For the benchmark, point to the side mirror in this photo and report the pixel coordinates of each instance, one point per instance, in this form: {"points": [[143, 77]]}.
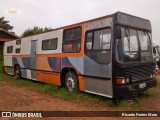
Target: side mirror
{"points": [[154, 50], [117, 32]]}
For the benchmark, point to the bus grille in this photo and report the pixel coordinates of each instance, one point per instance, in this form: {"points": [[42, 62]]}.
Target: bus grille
{"points": [[138, 74]]}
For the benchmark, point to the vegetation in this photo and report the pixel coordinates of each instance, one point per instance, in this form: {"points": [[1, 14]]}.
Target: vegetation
{"points": [[35, 30], [91, 99], [1, 57], [5, 24]]}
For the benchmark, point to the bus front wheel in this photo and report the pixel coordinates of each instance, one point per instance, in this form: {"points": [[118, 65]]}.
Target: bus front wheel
{"points": [[71, 82]]}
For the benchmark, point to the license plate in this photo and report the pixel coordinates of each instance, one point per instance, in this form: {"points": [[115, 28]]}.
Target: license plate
{"points": [[143, 85]]}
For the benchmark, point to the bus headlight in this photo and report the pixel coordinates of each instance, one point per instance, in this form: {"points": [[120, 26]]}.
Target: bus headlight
{"points": [[122, 80], [127, 80]]}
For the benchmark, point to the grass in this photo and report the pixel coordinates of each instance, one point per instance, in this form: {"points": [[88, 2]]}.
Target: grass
{"points": [[153, 91], [61, 92], [3, 76]]}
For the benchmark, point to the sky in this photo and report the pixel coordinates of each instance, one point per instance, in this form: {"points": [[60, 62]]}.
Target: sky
{"points": [[24, 14]]}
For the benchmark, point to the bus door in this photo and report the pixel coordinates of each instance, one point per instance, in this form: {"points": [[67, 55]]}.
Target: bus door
{"points": [[97, 62], [33, 59]]}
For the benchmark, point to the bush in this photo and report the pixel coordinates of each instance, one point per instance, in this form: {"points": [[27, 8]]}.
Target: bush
{"points": [[1, 57]]}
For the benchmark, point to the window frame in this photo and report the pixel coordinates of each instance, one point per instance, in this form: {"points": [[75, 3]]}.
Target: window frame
{"points": [[56, 39], [94, 50], [18, 42], [148, 33], [129, 38], [9, 52], [92, 31], [71, 41], [18, 49]]}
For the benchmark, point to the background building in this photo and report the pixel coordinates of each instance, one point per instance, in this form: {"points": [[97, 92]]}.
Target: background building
{"points": [[4, 37]]}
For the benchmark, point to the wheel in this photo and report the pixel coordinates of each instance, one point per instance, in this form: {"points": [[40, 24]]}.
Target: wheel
{"points": [[71, 82], [17, 72]]}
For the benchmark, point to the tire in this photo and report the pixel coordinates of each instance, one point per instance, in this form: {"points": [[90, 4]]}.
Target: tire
{"points": [[71, 82], [17, 72]]}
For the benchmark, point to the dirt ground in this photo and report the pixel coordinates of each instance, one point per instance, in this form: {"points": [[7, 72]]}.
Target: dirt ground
{"points": [[13, 98]]}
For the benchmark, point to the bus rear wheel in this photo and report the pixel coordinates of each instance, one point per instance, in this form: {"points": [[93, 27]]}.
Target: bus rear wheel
{"points": [[17, 72], [71, 82]]}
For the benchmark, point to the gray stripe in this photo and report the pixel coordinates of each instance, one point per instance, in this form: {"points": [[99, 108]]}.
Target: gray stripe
{"points": [[20, 62], [78, 63]]}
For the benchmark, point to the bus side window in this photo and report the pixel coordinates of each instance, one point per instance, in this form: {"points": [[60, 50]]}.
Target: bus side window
{"points": [[89, 41], [9, 49], [97, 45], [49, 44], [71, 39], [17, 50], [18, 42]]}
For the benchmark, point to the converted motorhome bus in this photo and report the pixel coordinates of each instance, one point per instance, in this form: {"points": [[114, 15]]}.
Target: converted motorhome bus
{"points": [[109, 56]]}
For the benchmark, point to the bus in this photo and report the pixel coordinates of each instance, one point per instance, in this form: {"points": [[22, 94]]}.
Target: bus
{"points": [[110, 56]]}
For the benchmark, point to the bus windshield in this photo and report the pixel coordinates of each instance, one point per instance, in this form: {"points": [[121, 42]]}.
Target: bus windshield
{"points": [[134, 46]]}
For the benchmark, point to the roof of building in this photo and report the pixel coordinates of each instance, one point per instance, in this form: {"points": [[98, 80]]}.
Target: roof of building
{"points": [[12, 36]]}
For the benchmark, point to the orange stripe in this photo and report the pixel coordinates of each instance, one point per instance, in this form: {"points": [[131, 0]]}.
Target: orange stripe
{"points": [[6, 69], [42, 64], [60, 55], [48, 77], [73, 26], [81, 83], [21, 56]]}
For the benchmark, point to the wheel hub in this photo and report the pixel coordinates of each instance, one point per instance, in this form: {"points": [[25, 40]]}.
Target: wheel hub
{"points": [[70, 84]]}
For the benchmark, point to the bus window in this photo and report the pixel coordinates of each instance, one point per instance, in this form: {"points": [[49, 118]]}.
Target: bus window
{"points": [[98, 45], [105, 40], [71, 39], [9, 49], [131, 51], [130, 47], [50, 44], [17, 50], [18, 42], [101, 40], [146, 55], [89, 41]]}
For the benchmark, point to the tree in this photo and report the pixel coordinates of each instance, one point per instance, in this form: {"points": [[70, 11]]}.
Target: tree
{"points": [[35, 30], [4, 24]]}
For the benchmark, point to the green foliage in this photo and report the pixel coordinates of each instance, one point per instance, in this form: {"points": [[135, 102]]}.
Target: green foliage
{"points": [[2, 74], [63, 93], [48, 88], [1, 57], [35, 30], [5, 24], [1, 67]]}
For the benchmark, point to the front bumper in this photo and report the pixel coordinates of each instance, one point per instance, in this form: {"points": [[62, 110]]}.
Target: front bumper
{"points": [[131, 91]]}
